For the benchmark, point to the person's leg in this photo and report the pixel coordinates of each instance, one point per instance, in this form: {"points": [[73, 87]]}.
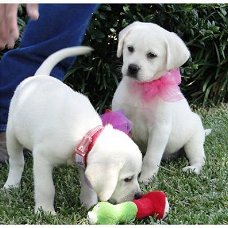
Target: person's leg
{"points": [[59, 26]]}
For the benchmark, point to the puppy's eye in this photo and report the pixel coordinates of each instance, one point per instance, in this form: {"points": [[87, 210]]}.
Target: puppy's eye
{"points": [[128, 179], [131, 49], [150, 55]]}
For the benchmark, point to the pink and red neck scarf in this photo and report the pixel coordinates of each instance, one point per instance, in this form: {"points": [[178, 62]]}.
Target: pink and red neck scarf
{"points": [[166, 87]]}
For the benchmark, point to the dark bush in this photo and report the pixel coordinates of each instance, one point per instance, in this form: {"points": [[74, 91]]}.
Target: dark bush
{"points": [[203, 27]]}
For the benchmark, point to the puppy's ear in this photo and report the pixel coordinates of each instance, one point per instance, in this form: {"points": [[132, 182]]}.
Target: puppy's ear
{"points": [[177, 51], [103, 178], [122, 35]]}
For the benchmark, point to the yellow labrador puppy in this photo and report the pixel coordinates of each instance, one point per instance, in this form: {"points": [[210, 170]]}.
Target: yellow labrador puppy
{"points": [[61, 126], [150, 96]]}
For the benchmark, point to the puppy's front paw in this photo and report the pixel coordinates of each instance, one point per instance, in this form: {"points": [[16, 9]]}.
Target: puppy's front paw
{"points": [[192, 169], [39, 210], [145, 180], [88, 200], [9, 186], [147, 176]]}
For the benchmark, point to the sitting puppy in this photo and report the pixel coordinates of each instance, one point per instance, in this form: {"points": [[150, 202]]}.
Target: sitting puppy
{"points": [[150, 97], [61, 126]]}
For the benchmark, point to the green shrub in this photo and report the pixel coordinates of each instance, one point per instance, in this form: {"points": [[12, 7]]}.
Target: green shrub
{"points": [[203, 27]]}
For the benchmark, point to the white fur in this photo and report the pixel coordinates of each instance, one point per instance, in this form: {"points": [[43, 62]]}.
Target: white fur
{"points": [[160, 128], [49, 118]]}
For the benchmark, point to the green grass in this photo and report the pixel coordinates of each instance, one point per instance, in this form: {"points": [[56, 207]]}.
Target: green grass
{"points": [[201, 199]]}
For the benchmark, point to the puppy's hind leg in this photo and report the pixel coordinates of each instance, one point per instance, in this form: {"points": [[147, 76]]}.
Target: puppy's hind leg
{"points": [[16, 160], [195, 151], [43, 183]]}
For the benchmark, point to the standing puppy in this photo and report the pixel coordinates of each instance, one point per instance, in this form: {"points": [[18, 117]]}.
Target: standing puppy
{"points": [[150, 97], [60, 126]]}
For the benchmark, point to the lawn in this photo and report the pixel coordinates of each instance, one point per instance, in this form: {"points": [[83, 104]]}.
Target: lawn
{"points": [[201, 199]]}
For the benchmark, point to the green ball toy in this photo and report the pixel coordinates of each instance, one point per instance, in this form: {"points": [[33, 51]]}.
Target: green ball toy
{"points": [[106, 213]]}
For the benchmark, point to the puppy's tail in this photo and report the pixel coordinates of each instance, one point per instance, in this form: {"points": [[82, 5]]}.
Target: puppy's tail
{"points": [[47, 66]]}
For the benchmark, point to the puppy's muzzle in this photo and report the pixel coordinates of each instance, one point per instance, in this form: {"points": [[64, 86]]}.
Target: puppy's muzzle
{"points": [[138, 195], [133, 70]]}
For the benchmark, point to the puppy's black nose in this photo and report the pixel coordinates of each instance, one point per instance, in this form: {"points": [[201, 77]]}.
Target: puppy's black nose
{"points": [[138, 195], [133, 70]]}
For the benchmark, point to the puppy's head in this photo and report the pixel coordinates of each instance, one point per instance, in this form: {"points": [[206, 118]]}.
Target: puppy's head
{"points": [[149, 51], [113, 166]]}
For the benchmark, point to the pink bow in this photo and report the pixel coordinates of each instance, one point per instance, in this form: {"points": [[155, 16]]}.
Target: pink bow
{"points": [[166, 87]]}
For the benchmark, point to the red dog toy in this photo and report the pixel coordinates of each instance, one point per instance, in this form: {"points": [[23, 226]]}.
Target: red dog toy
{"points": [[151, 204]]}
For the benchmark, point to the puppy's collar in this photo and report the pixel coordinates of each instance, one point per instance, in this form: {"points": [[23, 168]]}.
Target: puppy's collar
{"points": [[85, 146], [166, 87]]}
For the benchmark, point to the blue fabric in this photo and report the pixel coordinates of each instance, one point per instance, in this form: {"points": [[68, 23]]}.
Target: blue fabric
{"points": [[59, 26]]}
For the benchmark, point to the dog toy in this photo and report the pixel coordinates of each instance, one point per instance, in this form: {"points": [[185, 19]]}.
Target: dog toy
{"points": [[153, 203], [118, 120]]}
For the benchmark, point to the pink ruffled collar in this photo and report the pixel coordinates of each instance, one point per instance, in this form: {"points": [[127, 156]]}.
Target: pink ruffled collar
{"points": [[166, 87]]}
